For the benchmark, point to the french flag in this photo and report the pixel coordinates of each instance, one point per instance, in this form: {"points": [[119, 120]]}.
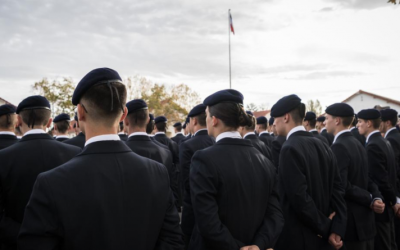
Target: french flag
{"points": [[231, 23]]}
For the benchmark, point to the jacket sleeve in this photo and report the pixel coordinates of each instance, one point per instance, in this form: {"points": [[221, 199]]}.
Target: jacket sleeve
{"points": [[203, 188], [170, 236], [40, 230], [379, 173], [352, 192], [295, 188], [272, 225], [9, 228]]}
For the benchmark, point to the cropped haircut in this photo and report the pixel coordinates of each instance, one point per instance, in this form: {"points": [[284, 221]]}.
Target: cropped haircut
{"points": [[201, 119], [161, 126], [35, 117], [299, 113], [7, 121], [62, 126], [139, 118]]}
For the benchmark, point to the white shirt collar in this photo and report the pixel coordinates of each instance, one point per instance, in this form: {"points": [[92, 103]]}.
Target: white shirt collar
{"points": [[7, 133], [295, 129], [249, 133], [199, 130], [272, 133], [373, 132], [387, 132], [229, 134], [35, 131], [109, 137], [188, 135], [121, 133], [338, 134], [322, 129], [353, 128], [312, 130], [159, 133], [151, 135], [177, 133], [19, 137], [62, 136], [137, 133], [264, 132]]}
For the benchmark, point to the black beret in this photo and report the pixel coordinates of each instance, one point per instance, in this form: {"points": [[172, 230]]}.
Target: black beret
{"points": [[33, 102], [388, 114], [285, 105], [321, 118], [271, 121], [177, 124], [262, 120], [136, 105], [198, 109], [227, 95], [159, 119], [62, 117], [7, 109], [369, 114], [310, 116], [187, 120], [151, 116], [340, 109], [94, 77]]}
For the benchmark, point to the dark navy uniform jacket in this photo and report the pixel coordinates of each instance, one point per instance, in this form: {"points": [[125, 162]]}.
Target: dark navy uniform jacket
{"points": [[322, 138], [178, 138], [20, 164], [259, 145], [357, 135], [393, 137], [7, 140], [234, 199], [107, 197], [329, 137], [266, 138], [352, 161], [78, 140], [382, 170], [199, 141], [310, 190], [276, 149]]}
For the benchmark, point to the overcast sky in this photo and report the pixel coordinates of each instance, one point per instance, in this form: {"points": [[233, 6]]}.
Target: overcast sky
{"points": [[318, 49]]}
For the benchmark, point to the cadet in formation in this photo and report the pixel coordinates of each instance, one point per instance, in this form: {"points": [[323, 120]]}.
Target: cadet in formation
{"points": [[61, 126], [8, 119], [107, 197], [79, 140], [232, 184], [261, 128]]}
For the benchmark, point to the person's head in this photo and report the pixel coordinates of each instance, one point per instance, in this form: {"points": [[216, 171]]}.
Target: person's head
{"points": [[8, 118], [177, 127], [243, 130], [309, 121], [225, 112], [100, 97], [389, 119], [320, 124], [197, 118], [262, 124], [368, 121], [161, 124], [339, 117], [150, 125], [33, 113], [62, 123], [288, 113], [138, 116]]}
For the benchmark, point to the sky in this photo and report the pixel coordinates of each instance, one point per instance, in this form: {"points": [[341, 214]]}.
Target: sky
{"points": [[317, 49]]}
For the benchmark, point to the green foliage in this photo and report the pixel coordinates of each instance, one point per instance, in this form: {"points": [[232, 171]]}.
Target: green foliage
{"points": [[314, 107], [59, 94]]}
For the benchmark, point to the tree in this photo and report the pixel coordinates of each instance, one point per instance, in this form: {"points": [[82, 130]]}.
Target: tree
{"points": [[314, 107], [392, 1], [59, 94], [251, 107]]}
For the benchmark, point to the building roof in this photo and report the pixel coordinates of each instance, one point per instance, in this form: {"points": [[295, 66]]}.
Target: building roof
{"points": [[388, 100], [261, 113], [7, 102]]}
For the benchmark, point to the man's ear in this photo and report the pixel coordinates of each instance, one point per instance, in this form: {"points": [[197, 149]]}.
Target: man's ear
{"points": [[49, 123]]}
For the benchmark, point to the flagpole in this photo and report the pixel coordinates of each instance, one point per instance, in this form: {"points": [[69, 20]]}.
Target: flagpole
{"points": [[229, 34]]}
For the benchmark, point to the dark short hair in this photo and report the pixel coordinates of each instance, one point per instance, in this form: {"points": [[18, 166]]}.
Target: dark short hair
{"points": [[99, 100], [299, 113], [231, 114], [161, 126], [178, 128], [263, 126], [201, 119], [62, 126], [346, 121], [7, 121], [139, 118], [376, 123], [393, 121], [35, 117], [252, 126], [150, 127]]}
